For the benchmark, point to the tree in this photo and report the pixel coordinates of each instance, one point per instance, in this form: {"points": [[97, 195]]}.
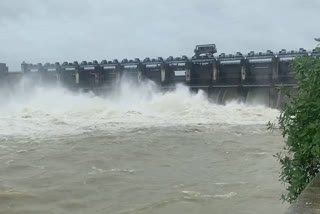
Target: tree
{"points": [[300, 125]]}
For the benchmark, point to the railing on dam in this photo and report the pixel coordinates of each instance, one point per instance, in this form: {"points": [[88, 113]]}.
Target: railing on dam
{"points": [[202, 70]]}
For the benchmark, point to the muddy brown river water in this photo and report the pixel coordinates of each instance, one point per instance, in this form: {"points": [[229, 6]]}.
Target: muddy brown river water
{"points": [[145, 153]]}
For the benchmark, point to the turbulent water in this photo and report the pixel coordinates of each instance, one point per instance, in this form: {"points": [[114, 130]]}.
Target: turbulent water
{"points": [[135, 150]]}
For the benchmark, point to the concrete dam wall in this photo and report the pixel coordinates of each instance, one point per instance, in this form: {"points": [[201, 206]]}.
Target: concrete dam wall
{"points": [[236, 76]]}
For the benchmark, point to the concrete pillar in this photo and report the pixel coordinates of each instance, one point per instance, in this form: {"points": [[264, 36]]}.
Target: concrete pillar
{"points": [[139, 76], [24, 67], [273, 97], [77, 78], [118, 75], [215, 71], [96, 79], [279, 99], [275, 68], [58, 77], [163, 74], [188, 75], [243, 70]]}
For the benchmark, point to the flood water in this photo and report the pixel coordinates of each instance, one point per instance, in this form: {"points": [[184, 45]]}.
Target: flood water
{"points": [[136, 151]]}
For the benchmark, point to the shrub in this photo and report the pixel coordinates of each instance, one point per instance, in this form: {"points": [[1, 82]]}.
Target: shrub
{"points": [[299, 123]]}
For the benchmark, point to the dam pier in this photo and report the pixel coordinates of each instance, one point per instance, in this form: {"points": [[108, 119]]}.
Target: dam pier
{"points": [[222, 77]]}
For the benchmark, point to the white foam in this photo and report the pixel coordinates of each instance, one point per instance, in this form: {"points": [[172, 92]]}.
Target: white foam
{"points": [[192, 193], [198, 194], [224, 196], [57, 111]]}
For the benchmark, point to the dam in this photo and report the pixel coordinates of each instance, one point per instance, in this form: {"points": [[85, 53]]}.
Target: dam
{"points": [[68, 151], [222, 77]]}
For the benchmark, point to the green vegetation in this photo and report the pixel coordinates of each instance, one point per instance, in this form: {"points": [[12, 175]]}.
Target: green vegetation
{"points": [[300, 125]]}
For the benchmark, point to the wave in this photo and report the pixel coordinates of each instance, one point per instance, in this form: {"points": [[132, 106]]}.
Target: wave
{"points": [[194, 195], [58, 111]]}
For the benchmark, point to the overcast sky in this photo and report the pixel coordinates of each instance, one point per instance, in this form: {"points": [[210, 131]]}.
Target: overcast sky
{"points": [[60, 30]]}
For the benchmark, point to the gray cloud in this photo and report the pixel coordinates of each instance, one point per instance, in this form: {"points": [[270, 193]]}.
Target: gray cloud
{"points": [[57, 30]]}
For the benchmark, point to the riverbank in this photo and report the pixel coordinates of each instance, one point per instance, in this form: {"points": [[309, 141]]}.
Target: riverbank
{"points": [[309, 200]]}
